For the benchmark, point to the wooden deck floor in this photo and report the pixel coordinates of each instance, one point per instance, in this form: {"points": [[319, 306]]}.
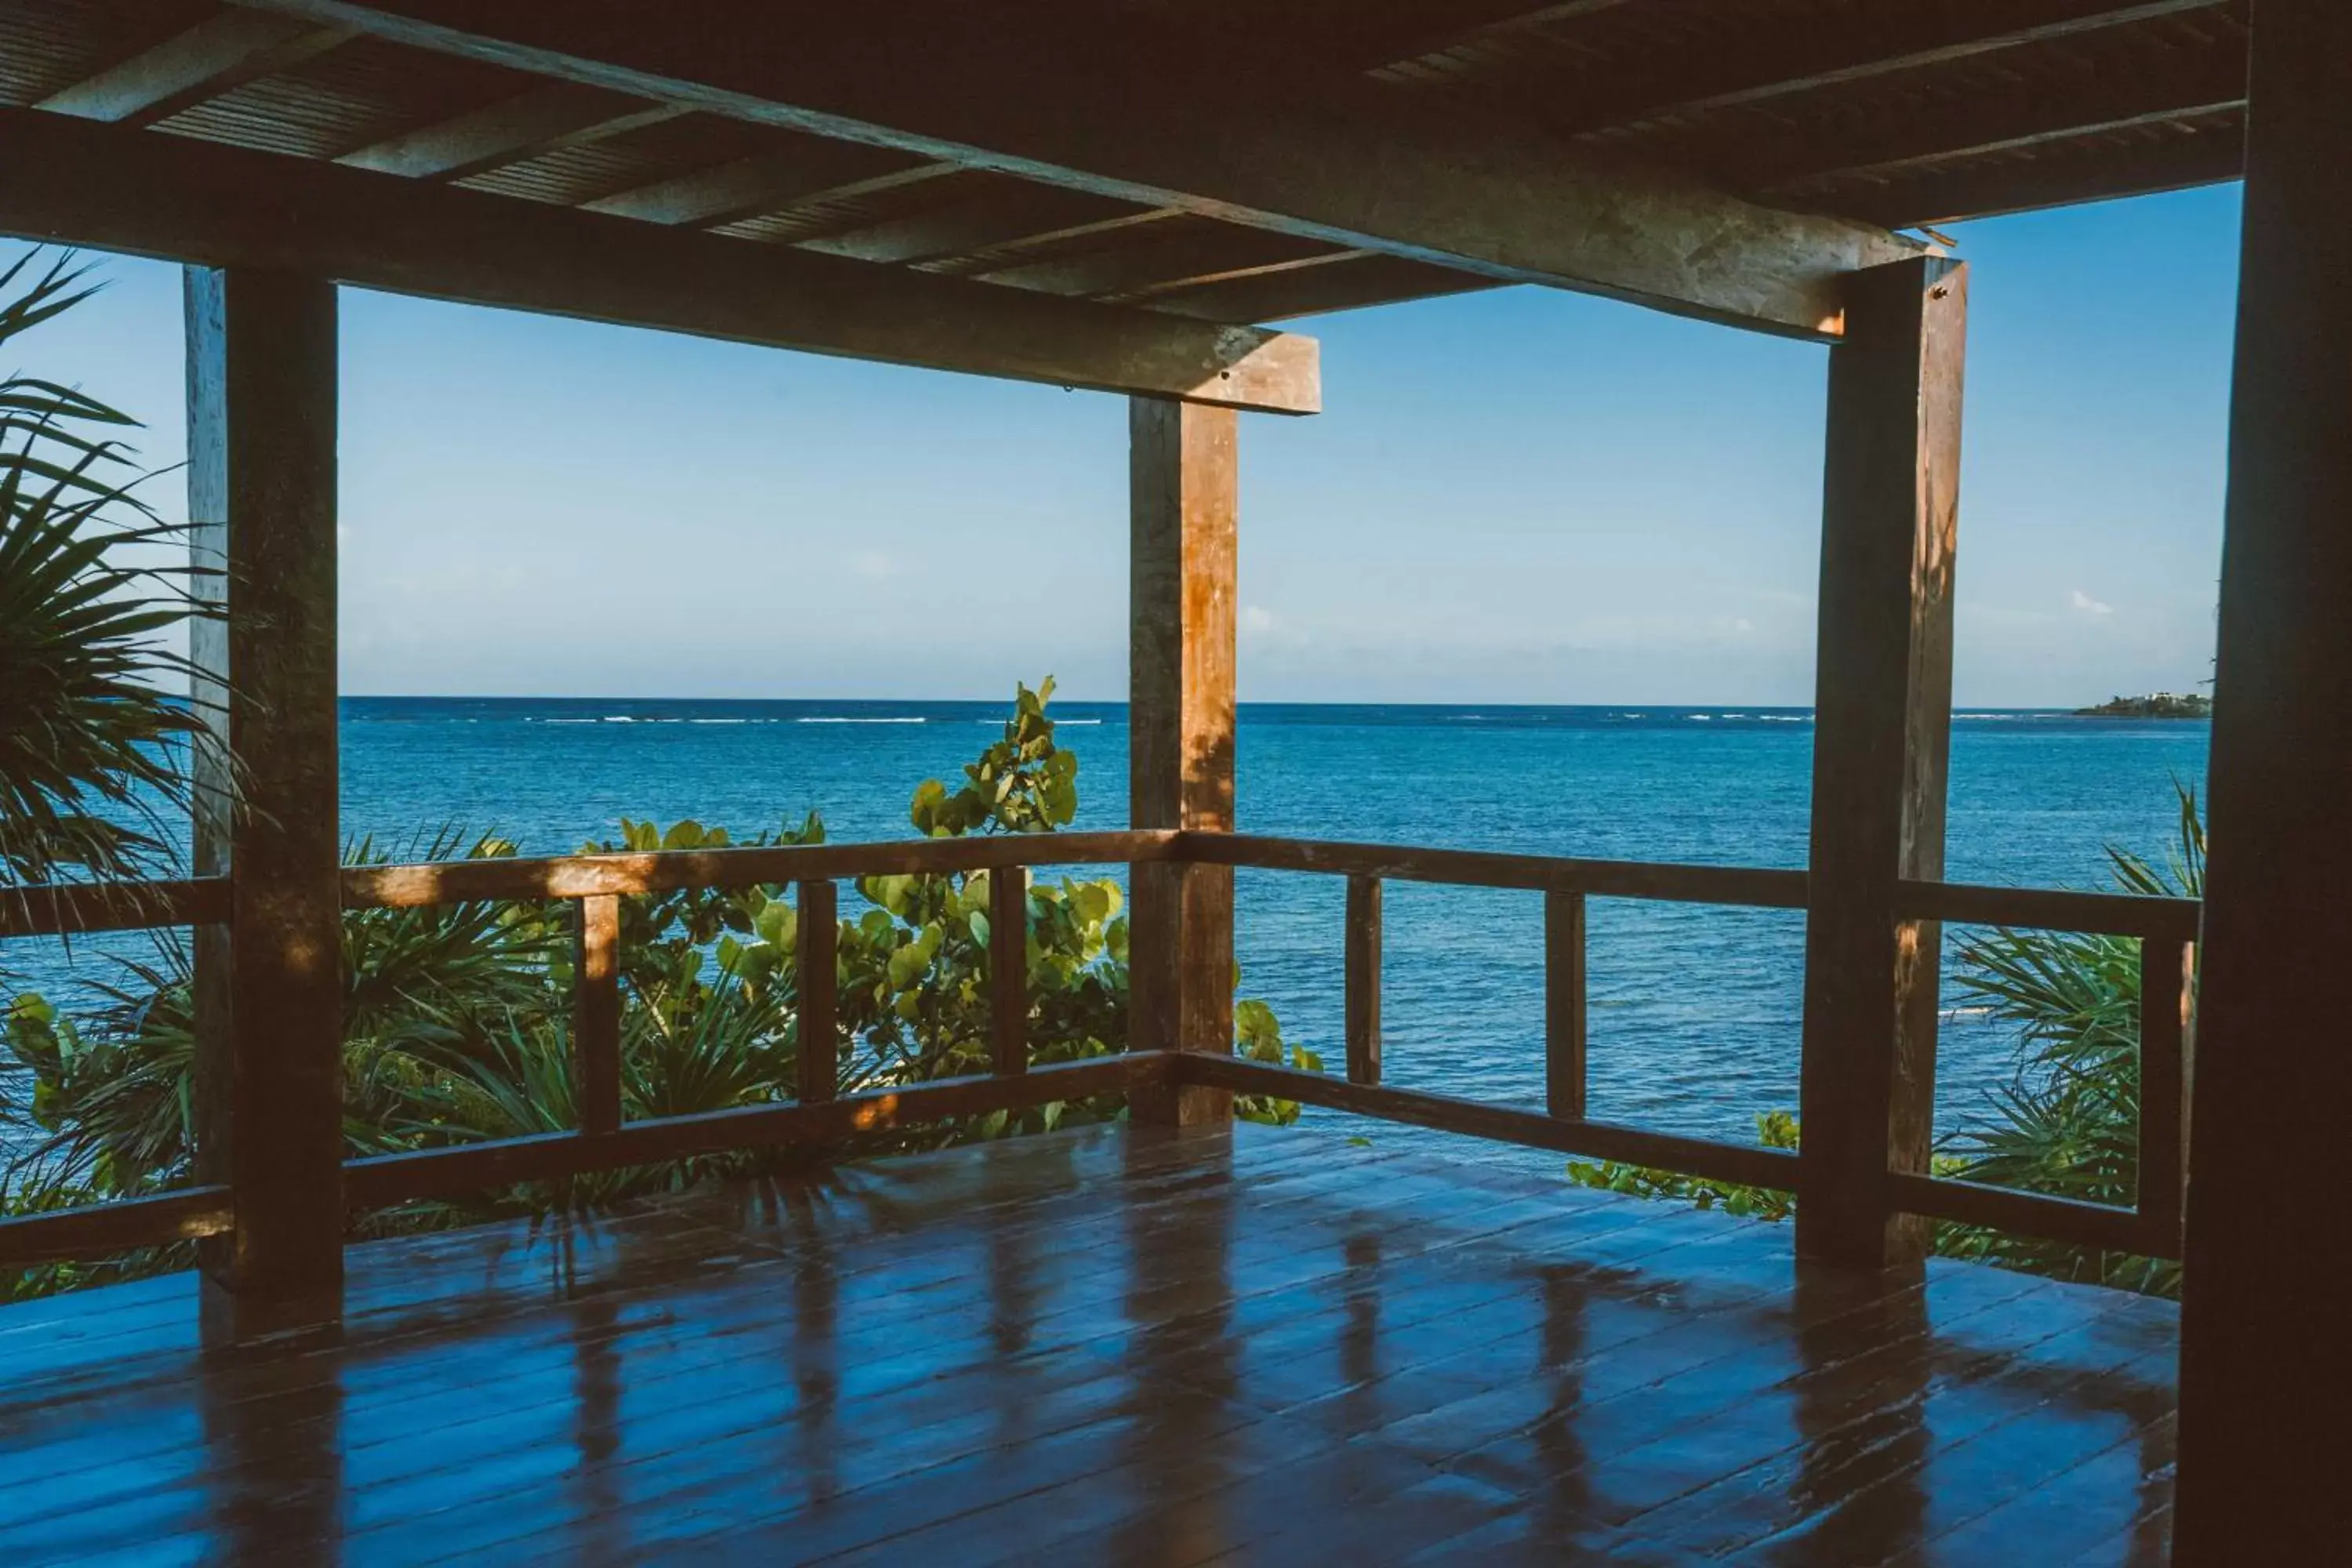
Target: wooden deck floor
{"points": [[1109, 1348]]}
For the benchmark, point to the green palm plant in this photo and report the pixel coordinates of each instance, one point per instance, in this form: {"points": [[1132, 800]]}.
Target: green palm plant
{"points": [[2068, 1121], [90, 742]]}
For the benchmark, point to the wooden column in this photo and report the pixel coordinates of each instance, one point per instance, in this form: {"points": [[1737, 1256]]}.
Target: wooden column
{"points": [[269, 984], [1183, 499], [1883, 710], [2265, 1371]]}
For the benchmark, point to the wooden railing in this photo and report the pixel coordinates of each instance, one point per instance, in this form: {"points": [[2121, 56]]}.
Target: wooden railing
{"points": [[595, 883]]}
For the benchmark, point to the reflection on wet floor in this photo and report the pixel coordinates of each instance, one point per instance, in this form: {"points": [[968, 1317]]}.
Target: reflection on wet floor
{"points": [[1105, 1347]]}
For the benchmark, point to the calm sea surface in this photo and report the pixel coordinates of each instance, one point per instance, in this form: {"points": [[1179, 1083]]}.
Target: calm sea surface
{"points": [[1694, 1009]]}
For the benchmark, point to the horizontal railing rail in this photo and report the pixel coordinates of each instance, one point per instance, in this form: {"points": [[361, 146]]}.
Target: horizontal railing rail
{"points": [[595, 883]]}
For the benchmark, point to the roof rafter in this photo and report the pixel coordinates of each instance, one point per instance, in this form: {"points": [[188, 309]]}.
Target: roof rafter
{"points": [[1354, 170], [66, 180], [558, 115], [218, 54], [1887, 38]]}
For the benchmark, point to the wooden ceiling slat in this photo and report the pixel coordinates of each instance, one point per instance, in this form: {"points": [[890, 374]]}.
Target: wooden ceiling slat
{"points": [[207, 59], [2162, 158], [1349, 168], [67, 180], [1348, 285], [1975, 124], [1007, 216], [807, 170], [1160, 262], [526, 125], [1875, 39]]}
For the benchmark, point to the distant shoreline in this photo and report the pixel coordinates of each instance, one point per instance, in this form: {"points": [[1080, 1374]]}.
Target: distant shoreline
{"points": [[2155, 705]]}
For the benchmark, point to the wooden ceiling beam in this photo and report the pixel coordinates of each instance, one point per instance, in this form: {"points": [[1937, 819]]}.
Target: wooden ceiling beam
{"points": [[1139, 269], [1981, 124], [1353, 169], [808, 171], [67, 181], [528, 124], [217, 55], [1881, 39], [1343, 285], [2170, 161], [1018, 215]]}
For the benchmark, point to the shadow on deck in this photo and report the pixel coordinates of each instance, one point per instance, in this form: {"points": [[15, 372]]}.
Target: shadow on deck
{"points": [[1112, 1347]]}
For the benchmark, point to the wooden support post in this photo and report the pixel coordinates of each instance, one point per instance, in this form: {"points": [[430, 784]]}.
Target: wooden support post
{"points": [[2265, 1367], [820, 1046], [596, 1012], [1182, 497], [1881, 734], [2167, 974], [1564, 1015], [268, 990], [1363, 980], [1008, 968]]}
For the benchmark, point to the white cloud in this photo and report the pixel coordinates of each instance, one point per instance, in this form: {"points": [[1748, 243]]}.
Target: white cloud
{"points": [[873, 565], [1263, 626], [2090, 606]]}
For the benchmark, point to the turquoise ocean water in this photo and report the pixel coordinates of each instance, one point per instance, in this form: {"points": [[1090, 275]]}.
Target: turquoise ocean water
{"points": [[1694, 1009]]}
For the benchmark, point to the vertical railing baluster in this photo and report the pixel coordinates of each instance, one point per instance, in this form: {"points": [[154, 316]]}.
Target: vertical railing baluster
{"points": [[1564, 964], [1008, 968], [1363, 980], [596, 1011], [2165, 966], [820, 1049]]}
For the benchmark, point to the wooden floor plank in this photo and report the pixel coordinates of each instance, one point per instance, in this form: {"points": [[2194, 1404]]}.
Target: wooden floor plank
{"points": [[1204, 1347]]}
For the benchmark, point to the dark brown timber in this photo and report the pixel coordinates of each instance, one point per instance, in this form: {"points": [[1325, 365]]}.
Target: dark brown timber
{"points": [[1345, 164], [1363, 980], [49, 908], [205, 61], [1881, 734], [1008, 968], [2069, 1220], [1183, 490], [63, 179], [596, 1012], [820, 1046], [2266, 1369], [1564, 1005], [1758, 887], [261, 374], [99, 1230], [385, 1179], [1750, 1165], [659, 872], [2166, 980]]}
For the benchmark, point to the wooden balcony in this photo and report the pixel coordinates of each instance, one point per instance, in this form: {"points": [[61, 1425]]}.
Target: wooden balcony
{"points": [[1112, 1345]]}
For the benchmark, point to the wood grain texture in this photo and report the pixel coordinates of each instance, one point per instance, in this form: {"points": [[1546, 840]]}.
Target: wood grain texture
{"points": [[64, 180], [1361, 1023], [51, 908], [1008, 968], [581, 876], [1882, 735], [385, 1179], [1115, 1345], [1755, 887], [218, 54], [97, 1230], [2069, 1220], [526, 125], [1565, 1076], [1750, 1165], [267, 1077], [1184, 485], [2266, 1372], [817, 1004], [2167, 988], [596, 1012], [1342, 163], [2049, 909]]}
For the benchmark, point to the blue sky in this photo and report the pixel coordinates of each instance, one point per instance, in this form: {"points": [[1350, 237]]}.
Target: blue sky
{"points": [[1519, 495]]}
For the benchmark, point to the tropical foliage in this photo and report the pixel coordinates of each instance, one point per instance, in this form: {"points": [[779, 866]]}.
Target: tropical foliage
{"points": [[89, 777], [458, 1017], [2067, 1123]]}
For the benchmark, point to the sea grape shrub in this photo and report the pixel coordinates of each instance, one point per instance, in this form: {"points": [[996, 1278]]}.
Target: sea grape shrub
{"points": [[457, 1016]]}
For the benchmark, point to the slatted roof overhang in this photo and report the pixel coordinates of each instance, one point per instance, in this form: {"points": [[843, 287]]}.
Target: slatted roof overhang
{"points": [[1096, 192]]}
